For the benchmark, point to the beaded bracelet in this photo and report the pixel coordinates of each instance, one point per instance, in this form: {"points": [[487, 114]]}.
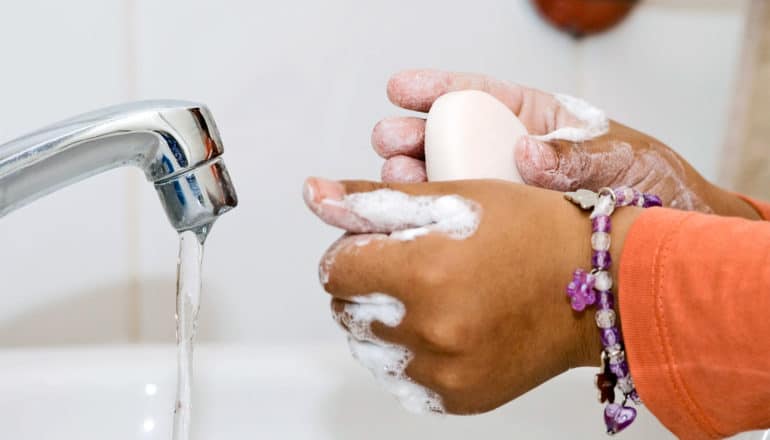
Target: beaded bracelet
{"points": [[588, 288]]}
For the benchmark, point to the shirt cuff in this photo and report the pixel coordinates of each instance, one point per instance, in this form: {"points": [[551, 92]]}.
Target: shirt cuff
{"points": [[646, 338]]}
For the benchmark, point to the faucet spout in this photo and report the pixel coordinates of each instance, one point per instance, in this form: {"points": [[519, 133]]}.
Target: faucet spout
{"points": [[175, 143]]}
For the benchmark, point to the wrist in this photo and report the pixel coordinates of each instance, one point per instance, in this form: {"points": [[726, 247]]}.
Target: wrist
{"points": [[589, 343], [600, 288], [728, 204]]}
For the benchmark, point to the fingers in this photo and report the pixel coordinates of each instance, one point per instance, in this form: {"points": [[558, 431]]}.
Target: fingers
{"points": [[399, 136], [563, 166], [404, 169], [404, 211], [418, 89], [359, 265], [326, 199], [371, 318]]}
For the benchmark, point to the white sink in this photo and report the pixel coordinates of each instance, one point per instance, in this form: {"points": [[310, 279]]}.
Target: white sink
{"points": [[294, 392]]}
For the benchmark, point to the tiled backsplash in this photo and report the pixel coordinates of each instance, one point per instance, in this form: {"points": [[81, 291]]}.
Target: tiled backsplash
{"points": [[295, 87]]}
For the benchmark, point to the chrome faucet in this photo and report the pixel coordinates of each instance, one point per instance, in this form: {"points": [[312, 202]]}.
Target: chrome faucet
{"points": [[175, 143]]}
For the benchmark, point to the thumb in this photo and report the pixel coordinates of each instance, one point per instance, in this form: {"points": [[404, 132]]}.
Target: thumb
{"points": [[326, 198], [563, 165], [371, 207]]}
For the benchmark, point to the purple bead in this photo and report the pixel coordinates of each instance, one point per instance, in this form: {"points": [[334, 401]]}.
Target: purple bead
{"points": [[620, 370], [610, 336], [572, 289], [601, 260], [634, 396], [581, 290], [617, 418], [619, 196], [590, 297], [577, 303], [606, 300], [601, 223], [651, 200]]}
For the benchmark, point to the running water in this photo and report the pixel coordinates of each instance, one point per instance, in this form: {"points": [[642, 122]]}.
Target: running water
{"points": [[188, 294]]}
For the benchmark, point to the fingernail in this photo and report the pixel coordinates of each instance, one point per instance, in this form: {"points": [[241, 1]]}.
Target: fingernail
{"points": [[318, 190]]}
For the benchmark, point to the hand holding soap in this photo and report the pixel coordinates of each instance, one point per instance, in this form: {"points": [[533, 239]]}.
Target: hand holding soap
{"points": [[471, 135]]}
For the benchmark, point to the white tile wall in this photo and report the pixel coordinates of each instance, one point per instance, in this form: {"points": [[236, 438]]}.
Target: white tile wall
{"points": [[669, 71], [64, 258]]}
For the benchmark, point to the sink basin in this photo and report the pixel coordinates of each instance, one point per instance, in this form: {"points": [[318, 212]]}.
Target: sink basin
{"points": [[289, 392], [285, 392]]}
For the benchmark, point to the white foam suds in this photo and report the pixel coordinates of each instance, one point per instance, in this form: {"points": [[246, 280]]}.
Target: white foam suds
{"points": [[406, 217], [594, 120], [363, 310], [385, 360]]}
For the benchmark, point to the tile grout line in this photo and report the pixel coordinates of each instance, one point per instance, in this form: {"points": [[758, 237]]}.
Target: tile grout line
{"points": [[133, 230]]}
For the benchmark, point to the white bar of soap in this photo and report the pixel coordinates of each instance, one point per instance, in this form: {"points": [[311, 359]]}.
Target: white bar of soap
{"points": [[471, 135]]}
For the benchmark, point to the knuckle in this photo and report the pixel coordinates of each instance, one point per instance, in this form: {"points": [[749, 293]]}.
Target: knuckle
{"points": [[450, 381], [434, 276], [445, 335]]}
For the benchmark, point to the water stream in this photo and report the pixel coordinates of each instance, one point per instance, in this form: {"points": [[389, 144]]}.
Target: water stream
{"points": [[188, 293]]}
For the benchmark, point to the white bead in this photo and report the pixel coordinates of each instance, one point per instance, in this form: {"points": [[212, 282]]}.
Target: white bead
{"points": [[617, 356], [603, 281], [628, 195], [605, 318], [600, 241], [640, 202], [625, 384], [613, 350], [604, 206]]}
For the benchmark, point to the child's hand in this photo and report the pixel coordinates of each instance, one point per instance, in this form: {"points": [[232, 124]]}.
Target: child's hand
{"points": [[621, 156], [481, 275]]}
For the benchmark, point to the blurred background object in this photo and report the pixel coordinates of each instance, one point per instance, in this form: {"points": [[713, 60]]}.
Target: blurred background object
{"points": [[747, 150], [584, 17]]}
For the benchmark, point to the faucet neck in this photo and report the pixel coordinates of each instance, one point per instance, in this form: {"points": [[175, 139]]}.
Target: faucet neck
{"points": [[175, 143]]}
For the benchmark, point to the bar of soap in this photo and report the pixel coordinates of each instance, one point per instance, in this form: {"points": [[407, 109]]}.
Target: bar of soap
{"points": [[471, 135]]}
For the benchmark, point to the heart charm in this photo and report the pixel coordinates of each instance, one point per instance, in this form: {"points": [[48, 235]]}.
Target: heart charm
{"points": [[617, 417]]}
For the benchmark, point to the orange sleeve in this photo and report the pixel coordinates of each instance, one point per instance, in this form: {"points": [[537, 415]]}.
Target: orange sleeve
{"points": [[695, 308]]}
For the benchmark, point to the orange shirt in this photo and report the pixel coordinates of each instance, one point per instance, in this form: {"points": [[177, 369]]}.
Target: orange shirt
{"points": [[695, 307]]}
